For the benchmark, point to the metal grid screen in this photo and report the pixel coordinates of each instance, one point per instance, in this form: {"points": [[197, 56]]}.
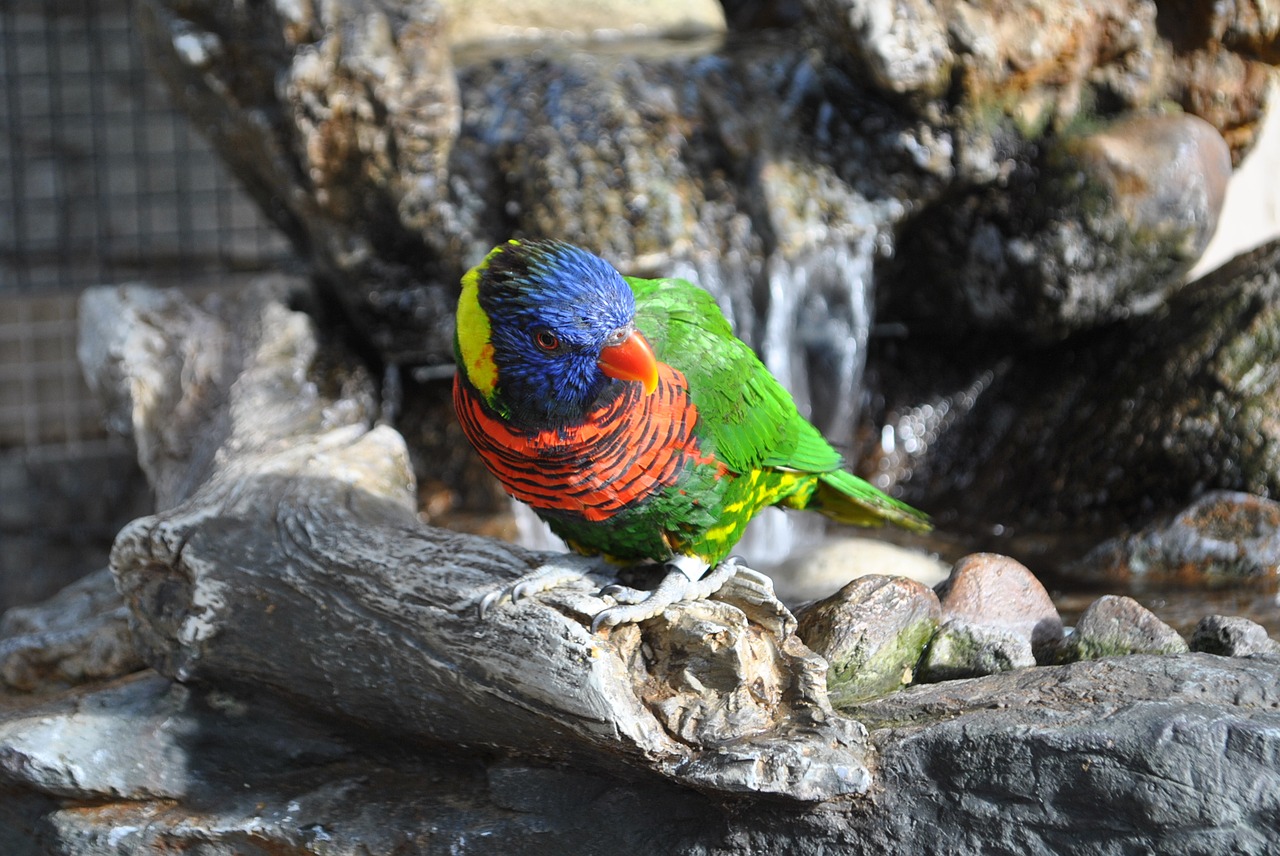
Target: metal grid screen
{"points": [[101, 181]]}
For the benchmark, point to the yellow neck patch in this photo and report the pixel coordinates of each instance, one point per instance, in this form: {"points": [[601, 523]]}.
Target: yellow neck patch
{"points": [[473, 332]]}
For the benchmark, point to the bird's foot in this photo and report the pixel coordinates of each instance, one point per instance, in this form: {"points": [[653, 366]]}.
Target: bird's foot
{"points": [[686, 579], [543, 579]]}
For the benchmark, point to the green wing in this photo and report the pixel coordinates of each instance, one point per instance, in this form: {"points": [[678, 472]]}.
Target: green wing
{"points": [[747, 418], [750, 420]]}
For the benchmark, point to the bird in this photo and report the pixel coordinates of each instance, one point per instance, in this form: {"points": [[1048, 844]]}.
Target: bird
{"points": [[626, 413]]}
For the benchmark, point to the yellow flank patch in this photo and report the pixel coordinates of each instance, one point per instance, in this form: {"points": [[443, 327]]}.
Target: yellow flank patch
{"points": [[757, 495], [724, 531], [474, 332]]}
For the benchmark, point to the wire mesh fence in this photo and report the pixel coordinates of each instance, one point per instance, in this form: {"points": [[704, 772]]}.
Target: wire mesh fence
{"points": [[101, 181]]}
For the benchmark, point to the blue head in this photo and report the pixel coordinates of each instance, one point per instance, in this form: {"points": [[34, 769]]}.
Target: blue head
{"points": [[546, 332]]}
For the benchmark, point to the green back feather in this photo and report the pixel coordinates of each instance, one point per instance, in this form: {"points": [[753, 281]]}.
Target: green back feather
{"points": [[746, 417]]}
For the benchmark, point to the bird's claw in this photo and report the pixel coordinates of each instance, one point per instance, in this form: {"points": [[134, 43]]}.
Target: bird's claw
{"points": [[635, 606], [686, 579], [714, 581], [543, 579], [624, 594]]}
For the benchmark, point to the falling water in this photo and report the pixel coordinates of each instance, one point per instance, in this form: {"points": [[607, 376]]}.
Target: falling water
{"points": [[813, 339]]}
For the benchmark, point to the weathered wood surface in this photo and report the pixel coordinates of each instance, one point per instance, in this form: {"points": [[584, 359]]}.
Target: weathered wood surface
{"points": [[287, 555]]}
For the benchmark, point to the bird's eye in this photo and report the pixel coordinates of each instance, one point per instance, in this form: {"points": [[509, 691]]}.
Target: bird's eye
{"points": [[546, 340]]}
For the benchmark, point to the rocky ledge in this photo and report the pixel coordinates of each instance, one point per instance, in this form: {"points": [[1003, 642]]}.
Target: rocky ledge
{"points": [[318, 680]]}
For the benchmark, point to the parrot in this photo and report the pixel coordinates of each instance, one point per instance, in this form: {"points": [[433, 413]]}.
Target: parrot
{"points": [[630, 418]]}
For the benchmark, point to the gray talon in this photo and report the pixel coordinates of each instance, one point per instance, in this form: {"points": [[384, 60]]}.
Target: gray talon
{"points": [[645, 605], [489, 601], [624, 594], [543, 579], [522, 590]]}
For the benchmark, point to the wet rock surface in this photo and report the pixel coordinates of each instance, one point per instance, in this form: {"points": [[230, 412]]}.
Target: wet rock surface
{"points": [[1107, 430], [1222, 537], [779, 168]]}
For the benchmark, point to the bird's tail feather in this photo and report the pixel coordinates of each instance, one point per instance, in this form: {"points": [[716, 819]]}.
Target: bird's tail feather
{"points": [[845, 498]]}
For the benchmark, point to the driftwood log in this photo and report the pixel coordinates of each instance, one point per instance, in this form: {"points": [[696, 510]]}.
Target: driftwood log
{"points": [[327, 685]]}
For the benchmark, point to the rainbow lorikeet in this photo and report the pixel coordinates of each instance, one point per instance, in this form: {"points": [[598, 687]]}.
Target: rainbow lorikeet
{"points": [[634, 422]]}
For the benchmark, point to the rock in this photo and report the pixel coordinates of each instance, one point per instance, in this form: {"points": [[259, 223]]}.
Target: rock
{"points": [[1224, 56], [1104, 225], [961, 649], [147, 766], [1232, 637], [1103, 432], [1166, 174], [1222, 537], [1028, 761], [470, 22], [996, 616], [79, 635], [872, 633], [1156, 745], [1114, 626], [1047, 64], [129, 740], [902, 48], [812, 574], [994, 591]]}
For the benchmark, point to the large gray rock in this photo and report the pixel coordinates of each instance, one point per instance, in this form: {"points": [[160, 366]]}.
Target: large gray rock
{"points": [[147, 764], [1173, 754], [1103, 431]]}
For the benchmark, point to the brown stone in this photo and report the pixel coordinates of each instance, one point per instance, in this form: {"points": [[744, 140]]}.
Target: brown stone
{"points": [[988, 589]]}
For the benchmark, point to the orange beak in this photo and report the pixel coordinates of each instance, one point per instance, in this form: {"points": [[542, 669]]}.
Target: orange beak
{"points": [[631, 359]]}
